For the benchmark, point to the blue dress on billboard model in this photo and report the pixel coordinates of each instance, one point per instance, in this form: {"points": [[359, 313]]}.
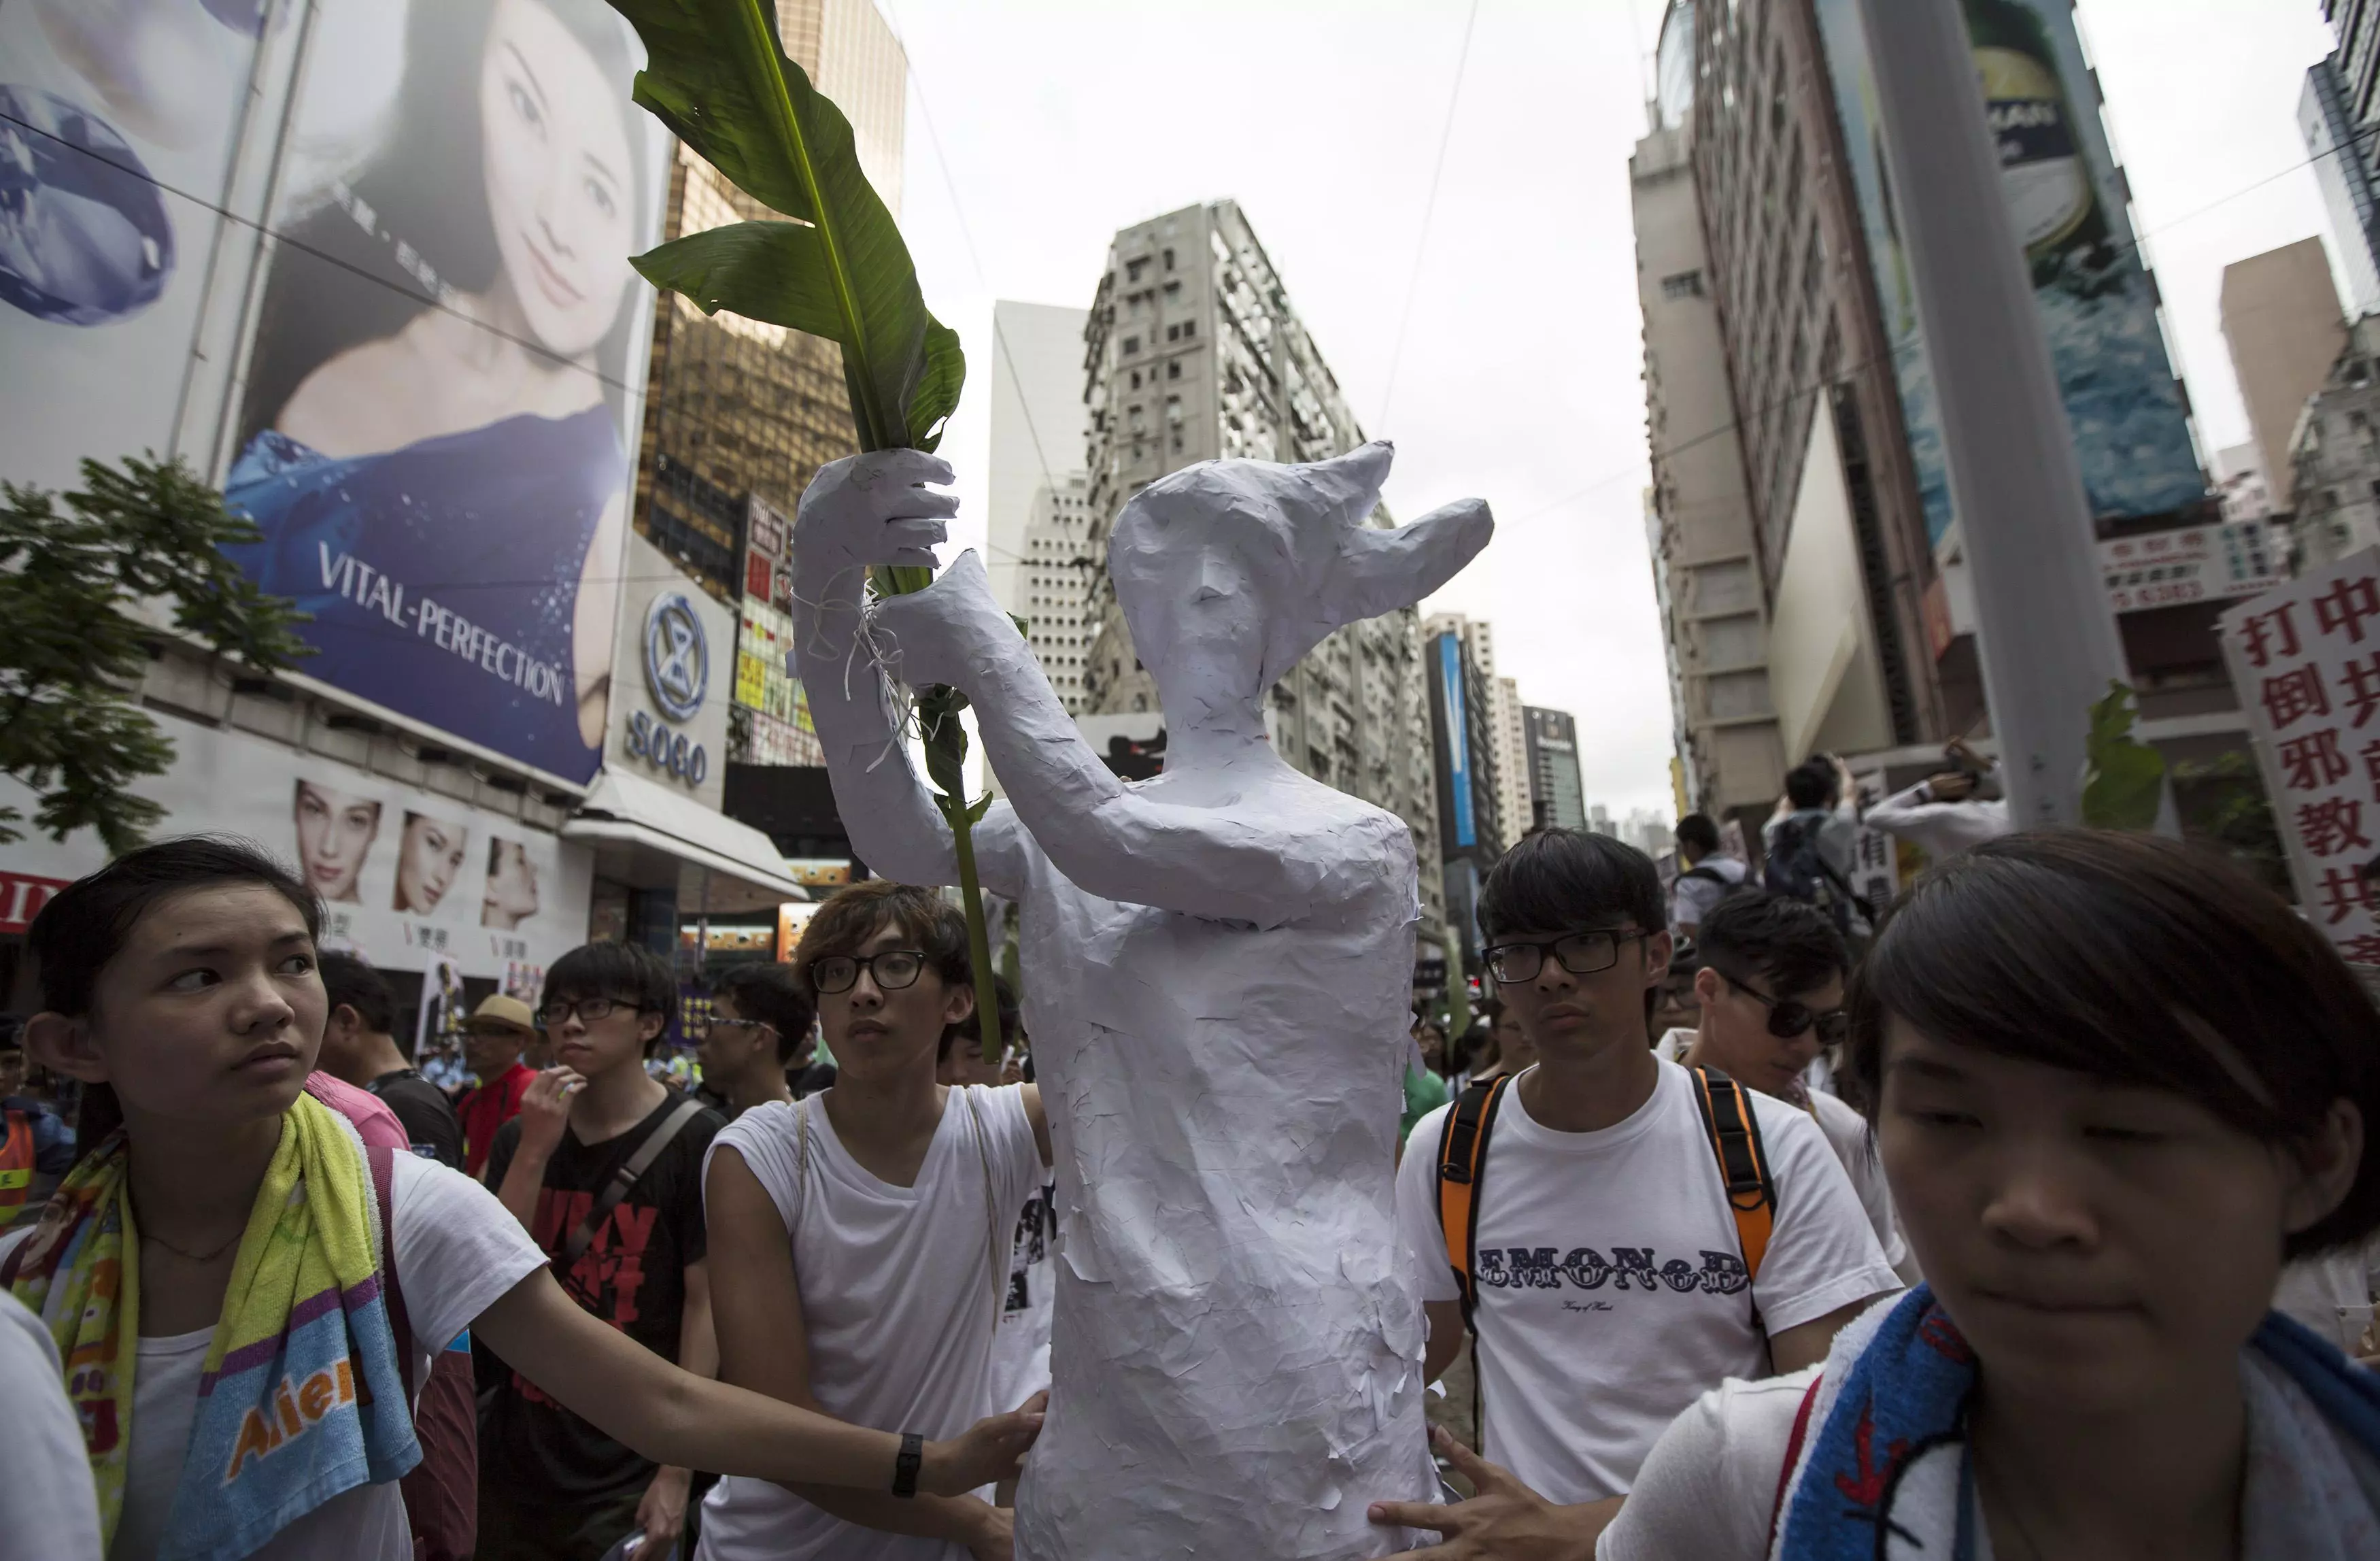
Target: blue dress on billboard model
{"points": [[442, 576]]}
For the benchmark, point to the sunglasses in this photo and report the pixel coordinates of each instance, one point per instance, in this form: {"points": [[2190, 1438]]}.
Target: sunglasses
{"points": [[1789, 1020]]}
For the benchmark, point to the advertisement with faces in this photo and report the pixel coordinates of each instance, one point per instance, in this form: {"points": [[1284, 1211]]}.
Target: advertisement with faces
{"points": [[406, 874]]}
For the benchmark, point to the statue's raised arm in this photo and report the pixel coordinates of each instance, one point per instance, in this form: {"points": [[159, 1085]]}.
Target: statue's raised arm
{"points": [[1228, 573]]}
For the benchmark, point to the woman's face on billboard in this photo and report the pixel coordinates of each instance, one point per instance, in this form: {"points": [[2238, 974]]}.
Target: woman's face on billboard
{"points": [[427, 862], [559, 179], [334, 833], [512, 885]]}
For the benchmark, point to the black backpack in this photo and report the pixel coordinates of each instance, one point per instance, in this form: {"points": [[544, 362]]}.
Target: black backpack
{"points": [[1796, 869]]}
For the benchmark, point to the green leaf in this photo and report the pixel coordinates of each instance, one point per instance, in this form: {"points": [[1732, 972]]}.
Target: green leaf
{"points": [[717, 75], [2124, 782]]}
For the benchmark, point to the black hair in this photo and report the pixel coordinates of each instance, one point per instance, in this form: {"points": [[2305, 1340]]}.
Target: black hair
{"points": [[778, 997], [84, 925], [1791, 945], [625, 973], [1558, 880], [348, 983], [12, 1033], [1697, 834], [1810, 783], [422, 191], [853, 915], [970, 1030], [2139, 961]]}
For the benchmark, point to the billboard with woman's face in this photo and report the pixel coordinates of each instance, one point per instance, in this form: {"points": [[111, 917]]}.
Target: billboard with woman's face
{"points": [[439, 411]]}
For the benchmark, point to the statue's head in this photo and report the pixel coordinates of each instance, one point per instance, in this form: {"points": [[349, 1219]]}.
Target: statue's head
{"points": [[1229, 571]]}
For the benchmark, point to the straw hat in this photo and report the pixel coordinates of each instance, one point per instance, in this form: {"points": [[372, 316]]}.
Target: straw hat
{"points": [[510, 1012]]}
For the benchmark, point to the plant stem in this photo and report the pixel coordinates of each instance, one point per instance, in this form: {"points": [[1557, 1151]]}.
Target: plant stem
{"points": [[986, 993]]}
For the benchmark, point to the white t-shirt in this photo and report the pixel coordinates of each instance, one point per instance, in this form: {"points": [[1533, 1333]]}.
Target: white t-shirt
{"points": [[47, 1509], [457, 1251], [1846, 1132], [1020, 1350], [1709, 1487], [1611, 1289], [901, 1289], [1695, 899]]}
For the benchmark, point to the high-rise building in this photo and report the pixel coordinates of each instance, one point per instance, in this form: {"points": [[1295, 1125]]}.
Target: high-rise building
{"points": [[1554, 779], [2334, 455], [2240, 476], [1042, 557], [2341, 155], [2282, 325], [1706, 564], [1836, 521], [1511, 729], [736, 410], [1193, 352]]}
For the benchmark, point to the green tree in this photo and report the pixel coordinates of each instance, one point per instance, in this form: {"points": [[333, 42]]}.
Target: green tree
{"points": [[81, 575]]}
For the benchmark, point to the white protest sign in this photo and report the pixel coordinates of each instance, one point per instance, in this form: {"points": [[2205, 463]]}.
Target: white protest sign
{"points": [[2305, 661]]}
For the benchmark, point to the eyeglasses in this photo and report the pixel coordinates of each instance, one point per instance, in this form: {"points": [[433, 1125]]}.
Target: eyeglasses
{"points": [[708, 1028], [1789, 1020], [893, 969], [1582, 953], [589, 1009]]}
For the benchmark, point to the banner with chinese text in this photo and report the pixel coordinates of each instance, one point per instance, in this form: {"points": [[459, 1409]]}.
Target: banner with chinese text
{"points": [[2305, 661]]}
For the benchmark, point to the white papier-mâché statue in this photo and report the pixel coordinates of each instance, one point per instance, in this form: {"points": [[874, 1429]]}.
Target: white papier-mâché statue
{"points": [[1218, 969]]}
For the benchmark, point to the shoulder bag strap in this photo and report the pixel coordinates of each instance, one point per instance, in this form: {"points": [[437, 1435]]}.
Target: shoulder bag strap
{"points": [[382, 1160], [1462, 1163], [1734, 1132], [625, 1177]]}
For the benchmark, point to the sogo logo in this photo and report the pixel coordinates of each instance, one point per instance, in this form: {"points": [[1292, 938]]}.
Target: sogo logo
{"points": [[677, 674]]}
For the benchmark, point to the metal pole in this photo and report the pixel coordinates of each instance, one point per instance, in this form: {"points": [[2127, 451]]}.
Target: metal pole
{"points": [[2046, 634]]}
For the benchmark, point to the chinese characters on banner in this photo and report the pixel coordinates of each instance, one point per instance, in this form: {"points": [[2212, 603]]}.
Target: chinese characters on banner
{"points": [[2305, 660], [1875, 861]]}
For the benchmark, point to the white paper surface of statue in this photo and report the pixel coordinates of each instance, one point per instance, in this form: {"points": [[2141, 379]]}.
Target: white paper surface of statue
{"points": [[1217, 970]]}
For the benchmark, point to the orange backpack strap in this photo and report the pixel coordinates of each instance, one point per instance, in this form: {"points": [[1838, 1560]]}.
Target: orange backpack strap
{"points": [[1462, 1161], [1734, 1132]]}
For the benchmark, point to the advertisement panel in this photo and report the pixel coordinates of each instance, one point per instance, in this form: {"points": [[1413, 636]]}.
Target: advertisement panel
{"points": [[407, 875], [2305, 661], [2193, 564], [1458, 741], [117, 128], [775, 716], [440, 404], [2097, 311]]}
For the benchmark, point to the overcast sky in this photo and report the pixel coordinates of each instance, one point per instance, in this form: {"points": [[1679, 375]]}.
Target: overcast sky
{"points": [[1063, 120]]}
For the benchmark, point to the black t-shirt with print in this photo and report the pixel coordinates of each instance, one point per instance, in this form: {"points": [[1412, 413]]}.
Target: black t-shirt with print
{"points": [[532, 1451], [428, 1116]]}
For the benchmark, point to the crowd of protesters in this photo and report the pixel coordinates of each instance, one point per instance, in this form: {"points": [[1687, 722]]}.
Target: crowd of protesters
{"points": [[2030, 1218]]}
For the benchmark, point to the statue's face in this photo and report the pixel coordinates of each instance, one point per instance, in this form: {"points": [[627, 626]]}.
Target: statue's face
{"points": [[1199, 595]]}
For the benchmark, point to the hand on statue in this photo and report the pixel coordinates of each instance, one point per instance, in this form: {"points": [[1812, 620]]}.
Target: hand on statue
{"points": [[934, 635], [984, 1454], [661, 1516], [1504, 1521], [869, 509]]}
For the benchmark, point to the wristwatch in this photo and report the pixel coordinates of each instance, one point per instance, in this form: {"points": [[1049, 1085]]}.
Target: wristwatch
{"points": [[905, 1467]]}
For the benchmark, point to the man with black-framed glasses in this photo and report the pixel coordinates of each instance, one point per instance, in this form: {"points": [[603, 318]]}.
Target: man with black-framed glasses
{"points": [[1578, 1218], [757, 1035], [1771, 987], [603, 1165]]}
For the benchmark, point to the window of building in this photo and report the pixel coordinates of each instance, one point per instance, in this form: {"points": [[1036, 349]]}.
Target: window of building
{"points": [[1173, 333], [1131, 346], [1169, 260], [1173, 292], [1189, 329], [1131, 270], [1683, 285], [1173, 369]]}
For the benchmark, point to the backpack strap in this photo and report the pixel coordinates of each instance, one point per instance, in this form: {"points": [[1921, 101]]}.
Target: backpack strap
{"points": [[1462, 1161], [1793, 1455], [382, 1160], [625, 1177], [1734, 1130]]}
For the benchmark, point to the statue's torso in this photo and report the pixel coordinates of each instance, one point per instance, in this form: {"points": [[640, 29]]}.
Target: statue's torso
{"points": [[1237, 1341]]}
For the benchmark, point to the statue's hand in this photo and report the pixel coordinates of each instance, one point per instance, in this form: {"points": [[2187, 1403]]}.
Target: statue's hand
{"points": [[943, 633], [868, 509]]}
